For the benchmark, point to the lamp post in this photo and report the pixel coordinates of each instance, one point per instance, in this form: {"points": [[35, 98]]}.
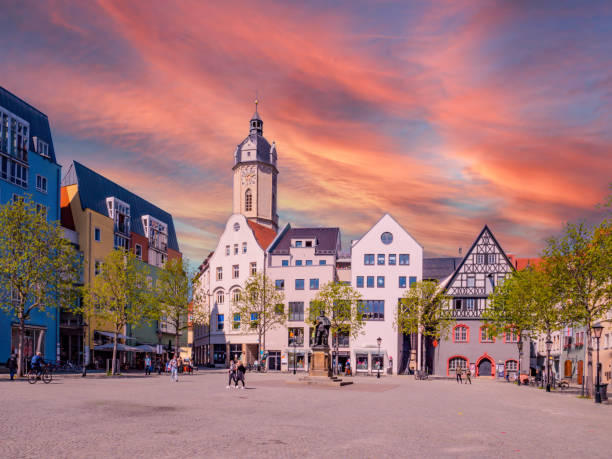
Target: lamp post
{"points": [[597, 329], [294, 344], [520, 349], [549, 344], [378, 340]]}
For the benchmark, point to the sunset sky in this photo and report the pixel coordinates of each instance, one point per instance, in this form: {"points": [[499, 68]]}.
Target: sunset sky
{"points": [[447, 115]]}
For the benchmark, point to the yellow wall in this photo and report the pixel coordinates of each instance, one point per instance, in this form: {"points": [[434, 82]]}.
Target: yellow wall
{"points": [[85, 222]]}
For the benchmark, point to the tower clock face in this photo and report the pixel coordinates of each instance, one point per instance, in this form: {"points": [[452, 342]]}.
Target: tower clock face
{"points": [[248, 175]]}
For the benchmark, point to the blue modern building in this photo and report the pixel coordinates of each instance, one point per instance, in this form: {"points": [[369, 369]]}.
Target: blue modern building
{"points": [[28, 167]]}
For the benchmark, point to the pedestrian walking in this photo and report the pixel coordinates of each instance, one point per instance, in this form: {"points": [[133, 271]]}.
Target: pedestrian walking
{"points": [[147, 364], [11, 364], [180, 364], [240, 371], [173, 369], [232, 374], [468, 376], [459, 372]]}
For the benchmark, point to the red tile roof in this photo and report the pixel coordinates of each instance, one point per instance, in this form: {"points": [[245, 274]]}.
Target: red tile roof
{"points": [[522, 263], [263, 234]]}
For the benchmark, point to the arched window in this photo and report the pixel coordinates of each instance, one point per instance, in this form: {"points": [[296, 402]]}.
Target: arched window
{"points": [[461, 334], [456, 362], [220, 297], [511, 366], [248, 200], [236, 295]]}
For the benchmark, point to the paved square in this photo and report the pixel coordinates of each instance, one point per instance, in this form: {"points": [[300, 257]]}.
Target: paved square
{"points": [[391, 417]]}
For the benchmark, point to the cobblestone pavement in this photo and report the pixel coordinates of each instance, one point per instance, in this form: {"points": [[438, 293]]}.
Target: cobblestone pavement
{"points": [[390, 417]]}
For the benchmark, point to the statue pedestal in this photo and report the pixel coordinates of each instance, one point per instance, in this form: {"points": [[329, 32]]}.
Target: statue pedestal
{"points": [[320, 365]]}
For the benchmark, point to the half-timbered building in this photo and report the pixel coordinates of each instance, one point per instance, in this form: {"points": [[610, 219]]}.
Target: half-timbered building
{"points": [[470, 345]]}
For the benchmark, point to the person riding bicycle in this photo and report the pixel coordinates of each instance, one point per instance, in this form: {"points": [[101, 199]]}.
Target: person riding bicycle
{"points": [[37, 363]]}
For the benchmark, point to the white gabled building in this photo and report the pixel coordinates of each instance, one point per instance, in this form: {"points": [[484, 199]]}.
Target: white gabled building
{"points": [[384, 263]]}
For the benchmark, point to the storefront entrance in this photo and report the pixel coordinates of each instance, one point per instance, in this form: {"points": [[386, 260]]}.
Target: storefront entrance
{"points": [[274, 360]]}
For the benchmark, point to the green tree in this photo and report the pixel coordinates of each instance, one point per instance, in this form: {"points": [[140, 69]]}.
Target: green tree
{"points": [[340, 304], [37, 265], [260, 306], [173, 287], [580, 265], [120, 294], [423, 309]]}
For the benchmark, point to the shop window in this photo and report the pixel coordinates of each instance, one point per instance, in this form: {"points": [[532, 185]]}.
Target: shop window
{"points": [[361, 362]]}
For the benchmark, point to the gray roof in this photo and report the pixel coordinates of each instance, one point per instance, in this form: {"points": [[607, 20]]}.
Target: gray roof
{"points": [[440, 268], [328, 240], [262, 150], [94, 189], [39, 123]]}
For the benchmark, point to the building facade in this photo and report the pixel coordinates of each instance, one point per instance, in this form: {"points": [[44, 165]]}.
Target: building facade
{"points": [[470, 345], [106, 216], [28, 168]]}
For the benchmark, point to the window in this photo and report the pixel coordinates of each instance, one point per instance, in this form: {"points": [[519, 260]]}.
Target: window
{"points": [[97, 267], [412, 280], [236, 322], [138, 251], [491, 258], [402, 282], [361, 362], [299, 284], [97, 234], [322, 262], [253, 268], [308, 262], [41, 183], [341, 339], [254, 319], [235, 271], [470, 304], [42, 148], [279, 284], [314, 284], [485, 335], [471, 281], [298, 244], [368, 259], [386, 238], [392, 259], [511, 365], [370, 281], [296, 336], [285, 263], [456, 363], [41, 209], [372, 309], [248, 201], [460, 334], [219, 273], [244, 247], [380, 259], [236, 227], [220, 297], [511, 336], [404, 259], [380, 282], [227, 250], [480, 258], [220, 321], [359, 281], [296, 310], [236, 295], [235, 249], [298, 262]]}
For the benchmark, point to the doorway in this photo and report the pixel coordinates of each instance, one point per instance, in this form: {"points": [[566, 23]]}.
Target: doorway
{"points": [[568, 368], [274, 359], [580, 372], [484, 367]]}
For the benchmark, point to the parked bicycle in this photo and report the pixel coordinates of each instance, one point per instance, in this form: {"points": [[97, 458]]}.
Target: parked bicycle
{"points": [[45, 374]]}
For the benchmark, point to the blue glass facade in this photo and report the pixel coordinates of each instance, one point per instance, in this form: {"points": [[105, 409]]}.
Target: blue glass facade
{"points": [[28, 166]]}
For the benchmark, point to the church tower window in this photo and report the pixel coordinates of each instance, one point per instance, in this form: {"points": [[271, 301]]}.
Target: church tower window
{"points": [[248, 201]]}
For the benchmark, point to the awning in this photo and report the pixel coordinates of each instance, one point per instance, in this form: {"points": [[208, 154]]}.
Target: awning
{"points": [[112, 335], [120, 347], [147, 348]]}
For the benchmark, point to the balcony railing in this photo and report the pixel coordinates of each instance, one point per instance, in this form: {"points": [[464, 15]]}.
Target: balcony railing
{"points": [[466, 313]]}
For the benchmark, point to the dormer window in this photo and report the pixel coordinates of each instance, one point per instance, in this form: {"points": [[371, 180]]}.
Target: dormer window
{"points": [[156, 232], [119, 212], [298, 244], [42, 147], [308, 243]]}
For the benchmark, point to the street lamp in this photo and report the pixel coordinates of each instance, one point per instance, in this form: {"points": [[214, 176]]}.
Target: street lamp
{"points": [[378, 340], [549, 344], [520, 349], [597, 329], [294, 344]]}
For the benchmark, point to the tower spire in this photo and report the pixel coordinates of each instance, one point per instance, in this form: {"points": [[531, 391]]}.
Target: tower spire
{"points": [[256, 121]]}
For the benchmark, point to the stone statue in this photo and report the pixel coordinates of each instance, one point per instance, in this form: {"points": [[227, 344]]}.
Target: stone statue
{"points": [[322, 331]]}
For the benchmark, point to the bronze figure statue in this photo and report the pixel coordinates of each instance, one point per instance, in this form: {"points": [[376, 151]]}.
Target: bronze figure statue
{"points": [[322, 331]]}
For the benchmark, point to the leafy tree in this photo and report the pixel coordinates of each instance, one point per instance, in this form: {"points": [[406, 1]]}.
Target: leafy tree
{"points": [[580, 263], [423, 308], [37, 265], [120, 295], [173, 286], [260, 307], [340, 304]]}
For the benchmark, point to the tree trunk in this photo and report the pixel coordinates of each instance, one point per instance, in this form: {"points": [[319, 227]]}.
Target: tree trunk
{"points": [[114, 362], [20, 348], [176, 337], [589, 374], [424, 358]]}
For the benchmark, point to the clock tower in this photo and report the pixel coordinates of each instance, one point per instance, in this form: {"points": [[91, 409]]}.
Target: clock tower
{"points": [[255, 176]]}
